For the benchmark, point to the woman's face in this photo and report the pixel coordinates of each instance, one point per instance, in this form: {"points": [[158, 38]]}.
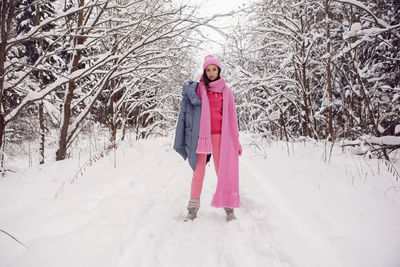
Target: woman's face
{"points": [[212, 72]]}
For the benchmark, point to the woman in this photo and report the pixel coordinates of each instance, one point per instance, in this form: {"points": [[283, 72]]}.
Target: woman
{"points": [[216, 132]]}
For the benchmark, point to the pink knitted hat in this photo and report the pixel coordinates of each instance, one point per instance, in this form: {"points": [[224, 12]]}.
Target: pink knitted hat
{"points": [[208, 60]]}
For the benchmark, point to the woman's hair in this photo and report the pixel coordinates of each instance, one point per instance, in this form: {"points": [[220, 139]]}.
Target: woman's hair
{"points": [[207, 81]]}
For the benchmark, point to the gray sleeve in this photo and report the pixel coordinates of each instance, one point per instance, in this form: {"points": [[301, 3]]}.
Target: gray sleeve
{"points": [[179, 143]]}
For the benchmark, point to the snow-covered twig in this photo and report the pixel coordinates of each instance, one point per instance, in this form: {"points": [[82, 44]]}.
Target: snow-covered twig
{"points": [[92, 160], [19, 242]]}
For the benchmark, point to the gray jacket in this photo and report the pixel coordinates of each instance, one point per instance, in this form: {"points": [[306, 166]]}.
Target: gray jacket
{"points": [[188, 126]]}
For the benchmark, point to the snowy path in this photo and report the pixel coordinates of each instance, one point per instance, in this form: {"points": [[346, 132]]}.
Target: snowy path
{"points": [[295, 212]]}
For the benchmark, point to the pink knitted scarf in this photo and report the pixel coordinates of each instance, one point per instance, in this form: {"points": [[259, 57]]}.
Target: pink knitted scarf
{"points": [[227, 192]]}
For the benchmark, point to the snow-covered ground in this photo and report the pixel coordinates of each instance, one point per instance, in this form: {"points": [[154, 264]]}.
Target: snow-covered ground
{"points": [[297, 210]]}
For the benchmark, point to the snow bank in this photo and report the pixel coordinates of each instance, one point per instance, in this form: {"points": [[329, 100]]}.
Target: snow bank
{"points": [[297, 210]]}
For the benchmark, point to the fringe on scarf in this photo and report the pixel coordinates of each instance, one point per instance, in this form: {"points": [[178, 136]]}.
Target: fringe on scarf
{"points": [[204, 146], [226, 200]]}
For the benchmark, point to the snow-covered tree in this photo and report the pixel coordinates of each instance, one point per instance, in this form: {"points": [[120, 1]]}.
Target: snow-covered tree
{"points": [[324, 69], [31, 13], [115, 53], [135, 44]]}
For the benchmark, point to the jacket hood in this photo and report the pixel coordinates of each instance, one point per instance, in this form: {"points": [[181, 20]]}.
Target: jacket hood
{"points": [[191, 92]]}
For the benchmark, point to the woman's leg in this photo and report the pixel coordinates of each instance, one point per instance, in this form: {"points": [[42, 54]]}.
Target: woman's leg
{"points": [[196, 187], [198, 176]]}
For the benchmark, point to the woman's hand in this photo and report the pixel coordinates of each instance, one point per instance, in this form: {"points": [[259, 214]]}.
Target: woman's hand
{"points": [[240, 149]]}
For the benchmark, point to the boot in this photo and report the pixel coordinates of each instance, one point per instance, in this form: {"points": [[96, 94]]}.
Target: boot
{"points": [[230, 214], [193, 208]]}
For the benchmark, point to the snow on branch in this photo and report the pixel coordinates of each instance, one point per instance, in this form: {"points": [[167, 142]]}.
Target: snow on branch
{"points": [[373, 144], [34, 96], [35, 31], [387, 141], [361, 5], [379, 22]]}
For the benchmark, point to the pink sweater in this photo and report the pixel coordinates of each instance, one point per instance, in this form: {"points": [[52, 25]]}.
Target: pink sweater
{"points": [[215, 100]]}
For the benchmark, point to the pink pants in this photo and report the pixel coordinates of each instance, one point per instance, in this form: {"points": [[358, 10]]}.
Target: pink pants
{"points": [[198, 174]]}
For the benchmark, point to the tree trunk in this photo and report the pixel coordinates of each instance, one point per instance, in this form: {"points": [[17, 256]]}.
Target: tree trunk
{"points": [[328, 70], [282, 121], [42, 133], [113, 116], [113, 100], [7, 9], [367, 102], [305, 96], [69, 94], [41, 109], [66, 116], [2, 61], [306, 88]]}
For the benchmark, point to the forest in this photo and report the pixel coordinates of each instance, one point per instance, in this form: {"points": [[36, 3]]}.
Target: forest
{"points": [[327, 70]]}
